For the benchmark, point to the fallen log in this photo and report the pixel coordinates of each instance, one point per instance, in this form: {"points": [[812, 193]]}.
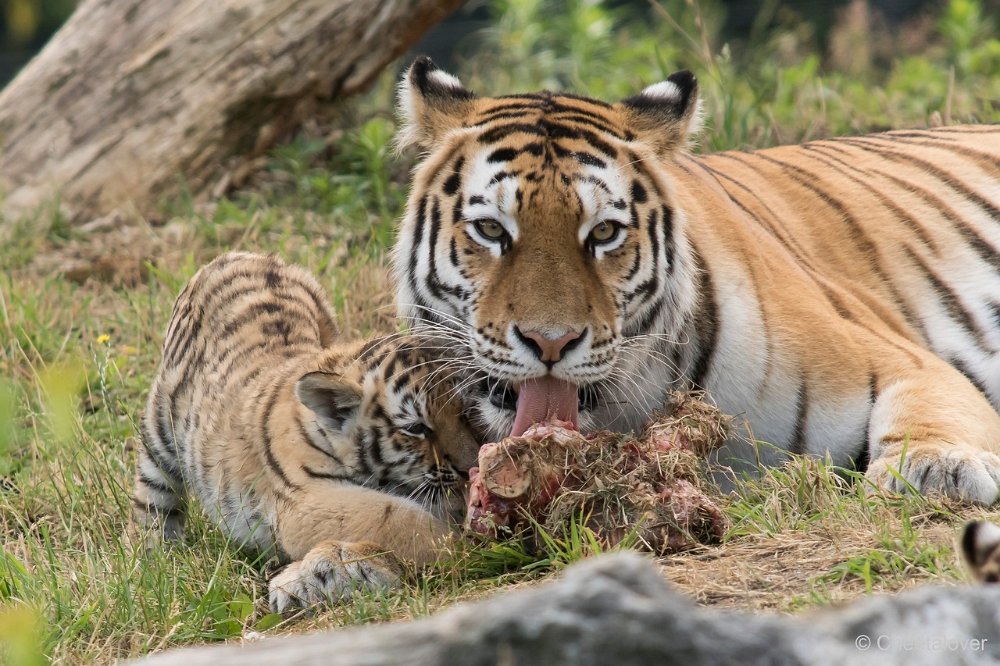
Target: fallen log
{"points": [[133, 99]]}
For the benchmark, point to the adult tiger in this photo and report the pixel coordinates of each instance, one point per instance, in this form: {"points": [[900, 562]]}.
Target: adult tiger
{"points": [[843, 294]]}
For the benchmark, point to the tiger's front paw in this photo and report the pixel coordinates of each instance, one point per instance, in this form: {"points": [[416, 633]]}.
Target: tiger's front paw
{"points": [[330, 572], [958, 471]]}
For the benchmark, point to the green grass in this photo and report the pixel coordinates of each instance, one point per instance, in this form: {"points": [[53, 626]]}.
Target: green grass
{"points": [[77, 359]]}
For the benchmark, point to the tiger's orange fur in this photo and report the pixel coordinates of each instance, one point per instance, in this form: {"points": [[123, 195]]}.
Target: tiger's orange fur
{"points": [[843, 295]]}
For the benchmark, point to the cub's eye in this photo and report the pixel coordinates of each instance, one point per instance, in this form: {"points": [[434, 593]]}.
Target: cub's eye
{"points": [[604, 233], [490, 229], [418, 430]]}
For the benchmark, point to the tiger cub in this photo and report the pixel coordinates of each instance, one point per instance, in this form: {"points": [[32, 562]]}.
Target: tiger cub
{"points": [[335, 458]]}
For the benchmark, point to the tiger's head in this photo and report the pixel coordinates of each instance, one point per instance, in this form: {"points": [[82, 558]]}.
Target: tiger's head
{"points": [[391, 417], [541, 235]]}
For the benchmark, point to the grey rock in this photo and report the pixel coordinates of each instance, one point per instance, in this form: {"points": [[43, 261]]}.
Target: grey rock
{"points": [[616, 609]]}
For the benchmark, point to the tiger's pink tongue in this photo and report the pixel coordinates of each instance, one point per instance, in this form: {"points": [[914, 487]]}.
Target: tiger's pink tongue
{"points": [[545, 398]]}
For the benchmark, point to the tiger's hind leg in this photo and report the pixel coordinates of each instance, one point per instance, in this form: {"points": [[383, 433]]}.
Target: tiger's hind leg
{"points": [[157, 502], [331, 572], [932, 430]]}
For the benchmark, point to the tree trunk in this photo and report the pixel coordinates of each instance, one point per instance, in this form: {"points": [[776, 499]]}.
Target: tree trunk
{"points": [[133, 98]]}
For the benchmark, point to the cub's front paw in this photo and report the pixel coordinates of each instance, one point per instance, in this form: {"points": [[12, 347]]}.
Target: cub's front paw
{"points": [[958, 471], [330, 572]]}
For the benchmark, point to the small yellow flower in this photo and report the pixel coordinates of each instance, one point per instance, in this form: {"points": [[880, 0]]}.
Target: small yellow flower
{"points": [[103, 339]]}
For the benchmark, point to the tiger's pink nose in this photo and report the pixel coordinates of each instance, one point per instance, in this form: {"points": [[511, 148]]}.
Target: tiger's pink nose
{"points": [[547, 350]]}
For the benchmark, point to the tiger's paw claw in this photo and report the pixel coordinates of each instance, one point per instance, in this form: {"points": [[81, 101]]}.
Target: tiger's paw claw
{"points": [[331, 573], [959, 472]]}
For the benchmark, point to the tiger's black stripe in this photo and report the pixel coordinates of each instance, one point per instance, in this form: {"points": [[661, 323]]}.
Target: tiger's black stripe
{"points": [[956, 184], [265, 432], [651, 285], [434, 284], [495, 134], [328, 476], [864, 243], [950, 300], [418, 234], [986, 162], [798, 439], [454, 182], [783, 236], [667, 222], [308, 439], [706, 323], [843, 167], [981, 246]]}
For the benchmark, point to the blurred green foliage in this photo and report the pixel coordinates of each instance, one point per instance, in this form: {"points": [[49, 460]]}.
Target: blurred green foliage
{"points": [[779, 84], [28, 22], [25, 26], [20, 630]]}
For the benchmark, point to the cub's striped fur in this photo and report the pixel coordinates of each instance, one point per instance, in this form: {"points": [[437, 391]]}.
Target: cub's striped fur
{"points": [[334, 457], [843, 295]]}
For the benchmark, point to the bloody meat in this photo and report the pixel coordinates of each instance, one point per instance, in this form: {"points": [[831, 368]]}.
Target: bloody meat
{"points": [[649, 489]]}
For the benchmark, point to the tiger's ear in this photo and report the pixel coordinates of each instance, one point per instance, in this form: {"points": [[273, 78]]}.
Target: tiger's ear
{"points": [[667, 114], [431, 103], [334, 400]]}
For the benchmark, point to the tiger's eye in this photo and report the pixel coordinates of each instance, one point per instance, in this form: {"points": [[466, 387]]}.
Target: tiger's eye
{"points": [[603, 232], [417, 430], [490, 229]]}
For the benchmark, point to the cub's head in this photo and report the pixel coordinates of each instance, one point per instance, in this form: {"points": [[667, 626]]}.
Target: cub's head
{"points": [[541, 236], [390, 416]]}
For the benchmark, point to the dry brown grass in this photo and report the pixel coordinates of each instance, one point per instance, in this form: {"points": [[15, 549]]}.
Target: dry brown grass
{"points": [[785, 571]]}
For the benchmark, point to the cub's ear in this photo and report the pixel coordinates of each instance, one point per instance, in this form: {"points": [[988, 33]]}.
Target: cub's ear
{"points": [[666, 114], [334, 400], [431, 103]]}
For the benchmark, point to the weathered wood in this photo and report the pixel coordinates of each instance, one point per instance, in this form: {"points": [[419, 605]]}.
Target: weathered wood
{"points": [[617, 610], [132, 96]]}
